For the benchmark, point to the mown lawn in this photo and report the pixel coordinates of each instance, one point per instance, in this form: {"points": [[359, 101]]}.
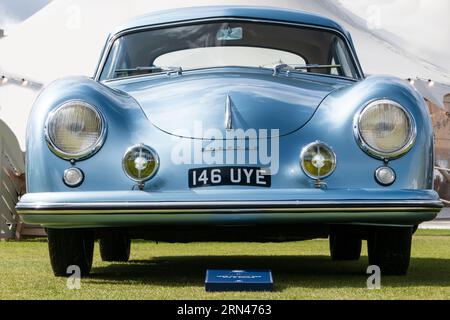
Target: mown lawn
{"points": [[301, 270]]}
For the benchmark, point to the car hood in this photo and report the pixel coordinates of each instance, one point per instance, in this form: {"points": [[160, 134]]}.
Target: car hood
{"points": [[196, 106]]}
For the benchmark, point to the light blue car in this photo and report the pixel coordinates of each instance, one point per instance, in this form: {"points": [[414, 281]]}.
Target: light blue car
{"points": [[229, 124]]}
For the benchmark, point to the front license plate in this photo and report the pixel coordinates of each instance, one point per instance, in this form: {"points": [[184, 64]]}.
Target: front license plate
{"points": [[229, 176]]}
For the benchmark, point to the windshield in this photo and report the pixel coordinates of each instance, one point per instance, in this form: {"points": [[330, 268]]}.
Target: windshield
{"points": [[221, 44]]}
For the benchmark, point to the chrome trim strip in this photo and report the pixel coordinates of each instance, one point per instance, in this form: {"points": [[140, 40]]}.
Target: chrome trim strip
{"points": [[89, 152], [228, 114], [107, 48], [213, 211], [229, 206], [376, 153]]}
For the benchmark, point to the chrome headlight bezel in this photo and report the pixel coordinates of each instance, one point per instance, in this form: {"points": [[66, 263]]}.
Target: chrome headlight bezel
{"points": [[378, 154], [88, 152]]}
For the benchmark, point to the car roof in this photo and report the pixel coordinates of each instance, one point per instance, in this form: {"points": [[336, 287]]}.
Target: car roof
{"points": [[259, 13]]}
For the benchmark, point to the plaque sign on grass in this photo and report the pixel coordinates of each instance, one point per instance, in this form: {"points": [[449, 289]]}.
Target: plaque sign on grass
{"points": [[238, 280]]}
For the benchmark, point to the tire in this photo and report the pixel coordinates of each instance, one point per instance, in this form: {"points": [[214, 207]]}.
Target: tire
{"points": [[390, 249], [115, 246], [70, 247], [344, 247]]}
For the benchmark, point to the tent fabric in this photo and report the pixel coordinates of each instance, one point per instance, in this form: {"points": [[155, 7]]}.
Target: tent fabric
{"points": [[434, 93], [66, 37]]}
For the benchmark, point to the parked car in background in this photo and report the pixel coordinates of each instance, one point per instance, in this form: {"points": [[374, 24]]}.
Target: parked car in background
{"points": [[229, 124]]}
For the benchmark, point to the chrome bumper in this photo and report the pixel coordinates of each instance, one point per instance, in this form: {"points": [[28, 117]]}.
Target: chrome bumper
{"points": [[180, 207], [134, 208]]}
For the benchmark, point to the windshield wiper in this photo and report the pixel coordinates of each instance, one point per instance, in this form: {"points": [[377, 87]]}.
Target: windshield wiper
{"points": [[150, 69], [294, 67]]}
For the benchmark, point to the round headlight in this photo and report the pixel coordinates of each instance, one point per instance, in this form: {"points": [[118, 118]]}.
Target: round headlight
{"points": [[75, 130], [318, 160], [140, 163], [385, 129]]}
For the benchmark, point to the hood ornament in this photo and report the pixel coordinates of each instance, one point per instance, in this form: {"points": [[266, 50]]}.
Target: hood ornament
{"points": [[228, 114]]}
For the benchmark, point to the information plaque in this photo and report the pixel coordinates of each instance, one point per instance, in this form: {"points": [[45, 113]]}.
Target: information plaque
{"points": [[238, 280]]}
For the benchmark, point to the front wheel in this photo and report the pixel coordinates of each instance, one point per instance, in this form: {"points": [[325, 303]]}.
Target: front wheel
{"points": [[70, 247], [390, 249], [115, 246], [344, 247]]}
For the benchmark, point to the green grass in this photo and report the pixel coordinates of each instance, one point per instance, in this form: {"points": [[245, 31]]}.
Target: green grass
{"points": [[301, 270]]}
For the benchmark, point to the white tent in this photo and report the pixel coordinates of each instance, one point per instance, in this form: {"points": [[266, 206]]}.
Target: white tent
{"points": [[421, 26], [66, 36], [433, 92]]}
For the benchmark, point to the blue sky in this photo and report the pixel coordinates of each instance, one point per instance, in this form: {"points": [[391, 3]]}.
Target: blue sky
{"points": [[13, 11]]}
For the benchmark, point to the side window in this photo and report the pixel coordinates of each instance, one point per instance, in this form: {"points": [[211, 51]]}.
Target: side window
{"points": [[120, 60], [341, 57], [108, 69], [334, 71]]}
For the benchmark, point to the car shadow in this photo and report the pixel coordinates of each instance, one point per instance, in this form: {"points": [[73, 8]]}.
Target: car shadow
{"points": [[288, 271]]}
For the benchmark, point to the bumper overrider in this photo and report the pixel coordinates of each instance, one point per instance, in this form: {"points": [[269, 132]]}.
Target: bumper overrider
{"points": [[214, 207]]}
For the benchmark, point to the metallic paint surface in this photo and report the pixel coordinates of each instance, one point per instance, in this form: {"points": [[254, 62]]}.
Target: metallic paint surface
{"points": [[253, 95], [332, 123]]}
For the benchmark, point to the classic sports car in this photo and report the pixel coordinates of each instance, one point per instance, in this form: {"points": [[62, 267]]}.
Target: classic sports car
{"points": [[229, 124]]}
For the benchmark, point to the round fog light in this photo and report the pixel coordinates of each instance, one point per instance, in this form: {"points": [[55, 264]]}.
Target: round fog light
{"points": [[318, 160], [385, 176], [140, 163], [73, 177]]}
